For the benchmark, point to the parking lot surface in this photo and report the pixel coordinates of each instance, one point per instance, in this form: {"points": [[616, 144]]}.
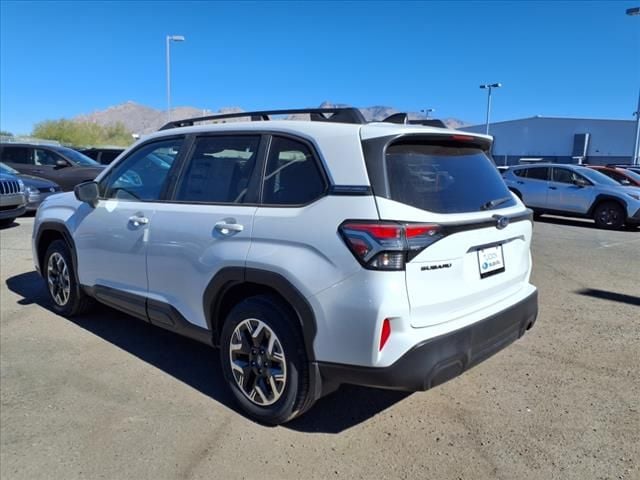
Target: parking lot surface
{"points": [[107, 396]]}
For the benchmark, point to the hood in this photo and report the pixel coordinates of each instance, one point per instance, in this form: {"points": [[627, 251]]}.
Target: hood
{"points": [[6, 176], [36, 182]]}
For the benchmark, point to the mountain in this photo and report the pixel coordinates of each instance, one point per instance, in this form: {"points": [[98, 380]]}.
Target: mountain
{"points": [[142, 119]]}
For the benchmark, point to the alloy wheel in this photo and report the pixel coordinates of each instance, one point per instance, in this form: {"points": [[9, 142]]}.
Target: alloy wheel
{"points": [[258, 362], [58, 279]]}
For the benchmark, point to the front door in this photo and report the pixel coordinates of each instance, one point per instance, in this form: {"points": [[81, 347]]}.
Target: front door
{"points": [[569, 191], [111, 239]]}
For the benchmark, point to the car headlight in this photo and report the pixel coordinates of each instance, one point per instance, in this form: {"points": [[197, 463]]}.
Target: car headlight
{"points": [[635, 196], [21, 184]]}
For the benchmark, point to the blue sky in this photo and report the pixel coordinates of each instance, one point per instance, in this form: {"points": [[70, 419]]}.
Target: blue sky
{"points": [[60, 59]]}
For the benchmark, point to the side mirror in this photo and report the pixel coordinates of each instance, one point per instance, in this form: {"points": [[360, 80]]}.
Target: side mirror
{"points": [[60, 163], [87, 192], [580, 182]]}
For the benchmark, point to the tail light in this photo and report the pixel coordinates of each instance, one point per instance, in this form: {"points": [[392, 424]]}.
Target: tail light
{"points": [[388, 245]]}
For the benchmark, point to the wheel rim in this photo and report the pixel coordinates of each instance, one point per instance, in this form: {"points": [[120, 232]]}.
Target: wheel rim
{"points": [[58, 279], [609, 216], [258, 362]]}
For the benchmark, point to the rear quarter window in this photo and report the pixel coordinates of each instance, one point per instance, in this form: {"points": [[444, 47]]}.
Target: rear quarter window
{"points": [[444, 178]]}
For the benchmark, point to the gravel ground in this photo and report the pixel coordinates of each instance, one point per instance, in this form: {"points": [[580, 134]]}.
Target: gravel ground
{"points": [[106, 396]]}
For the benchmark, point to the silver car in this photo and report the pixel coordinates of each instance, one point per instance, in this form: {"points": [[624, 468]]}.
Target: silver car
{"points": [[576, 191]]}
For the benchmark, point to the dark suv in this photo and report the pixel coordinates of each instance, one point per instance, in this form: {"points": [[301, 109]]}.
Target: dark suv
{"points": [[61, 165]]}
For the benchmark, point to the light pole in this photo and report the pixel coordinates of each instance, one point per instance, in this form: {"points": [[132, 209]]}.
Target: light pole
{"points": [[489, 87], [427, 111], [636, 153], [170, 38]]}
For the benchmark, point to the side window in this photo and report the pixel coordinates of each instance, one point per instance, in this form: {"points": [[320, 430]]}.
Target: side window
{"points": [[219, 169], [563, 175], [46, 157], [522, 172], [292, 176], [143, 175], [21, 155], [538, 173]]}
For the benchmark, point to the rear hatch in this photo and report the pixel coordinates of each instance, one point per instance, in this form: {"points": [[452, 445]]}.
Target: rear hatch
{"points": [[482, 254]]}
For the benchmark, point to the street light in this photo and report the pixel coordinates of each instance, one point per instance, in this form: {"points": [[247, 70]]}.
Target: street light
{"points": [[489, 87], [170, 38], [636, 153], [427, 111]]}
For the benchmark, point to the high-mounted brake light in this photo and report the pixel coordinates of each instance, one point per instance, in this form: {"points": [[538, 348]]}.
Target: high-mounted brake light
{"points": [[388, 245], [463, 138]]}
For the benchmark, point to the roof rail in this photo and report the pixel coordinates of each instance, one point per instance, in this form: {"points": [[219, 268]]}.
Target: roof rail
{"points": [[31, 140], [341, 115]]}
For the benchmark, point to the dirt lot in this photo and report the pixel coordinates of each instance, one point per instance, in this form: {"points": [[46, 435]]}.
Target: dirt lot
{"points": [[106, 396]]}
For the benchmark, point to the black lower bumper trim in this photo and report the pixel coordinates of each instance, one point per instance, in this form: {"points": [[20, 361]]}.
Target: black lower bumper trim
{"points": [[442, 358]]}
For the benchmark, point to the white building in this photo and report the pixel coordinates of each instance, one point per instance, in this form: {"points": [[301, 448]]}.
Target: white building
{"points": [[562, 140]]}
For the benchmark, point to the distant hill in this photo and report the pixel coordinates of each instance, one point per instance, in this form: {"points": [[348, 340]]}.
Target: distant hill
{"points": [[143, 119]]}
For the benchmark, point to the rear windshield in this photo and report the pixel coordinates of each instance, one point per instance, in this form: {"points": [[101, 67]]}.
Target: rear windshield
{"points": [[445, 179]]}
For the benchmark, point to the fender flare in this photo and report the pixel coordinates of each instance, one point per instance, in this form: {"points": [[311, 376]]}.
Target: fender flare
{"points": [[601, 197], [66, 235], [229, 277]]}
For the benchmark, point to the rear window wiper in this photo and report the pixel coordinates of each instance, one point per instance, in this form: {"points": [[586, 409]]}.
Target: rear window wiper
{"points": [[494, 203]]}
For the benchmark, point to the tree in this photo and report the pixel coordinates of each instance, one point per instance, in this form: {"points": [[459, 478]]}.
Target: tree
{"points": [[83, 133], [4, 133]]}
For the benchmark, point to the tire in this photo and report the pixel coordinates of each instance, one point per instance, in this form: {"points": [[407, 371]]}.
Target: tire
{"points": [[275, 387], [67, 298], [5, 222], [609, 215]]}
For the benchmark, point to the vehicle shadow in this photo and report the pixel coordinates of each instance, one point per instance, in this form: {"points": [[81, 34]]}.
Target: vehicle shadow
{"points": [[198, 365], [14, 224], [611, 296], [575, 222]]}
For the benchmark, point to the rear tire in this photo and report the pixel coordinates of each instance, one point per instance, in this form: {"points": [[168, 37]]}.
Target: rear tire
{"points": [[67, 298], [264, 360], [609, 215]]}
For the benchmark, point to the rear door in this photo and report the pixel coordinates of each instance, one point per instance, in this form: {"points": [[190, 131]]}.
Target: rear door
{"points": [[20, 158], [533, 184], [481, 259], [206, 225]]}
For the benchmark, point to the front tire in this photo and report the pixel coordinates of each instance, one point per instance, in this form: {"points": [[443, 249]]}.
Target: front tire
{"points": [[66, 297], [609, 215], [264, 361]]}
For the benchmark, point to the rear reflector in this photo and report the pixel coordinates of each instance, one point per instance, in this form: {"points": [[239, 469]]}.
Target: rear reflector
{"points": [[385, 333]]}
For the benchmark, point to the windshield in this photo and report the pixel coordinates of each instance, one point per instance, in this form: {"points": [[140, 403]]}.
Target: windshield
{"points": [[7, 169], [598, 178], [632, 174], [77, 157], [445, 179]]}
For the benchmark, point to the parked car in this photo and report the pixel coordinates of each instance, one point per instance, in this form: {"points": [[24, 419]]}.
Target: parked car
{"points": [[12, 200], [63, 166], [103, 155], [623, 176], [313, 253], [573, 190], [627, 166], [35, 189]]}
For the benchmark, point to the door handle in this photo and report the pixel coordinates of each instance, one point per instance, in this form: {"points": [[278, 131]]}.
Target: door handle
{"points": [[553, 188], [138, 220], [228, 228], [519, 182]]}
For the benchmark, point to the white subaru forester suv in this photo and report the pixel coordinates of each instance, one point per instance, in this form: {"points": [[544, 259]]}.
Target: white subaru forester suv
{"points": [[312, 253]]}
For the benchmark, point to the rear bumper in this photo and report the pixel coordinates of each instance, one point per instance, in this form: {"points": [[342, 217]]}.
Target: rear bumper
{"points": [[439, 359]]}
